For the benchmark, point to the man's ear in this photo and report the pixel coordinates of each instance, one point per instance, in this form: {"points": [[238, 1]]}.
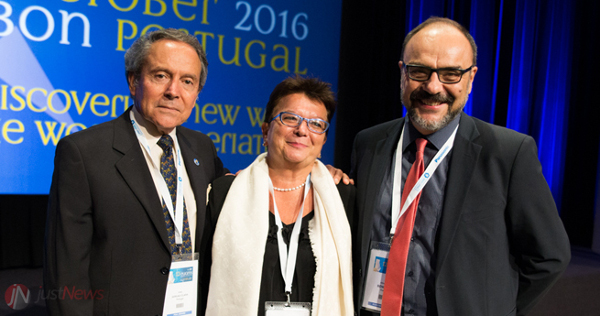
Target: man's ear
{"points": [[402, 77], [471, 78], [132, 84]]}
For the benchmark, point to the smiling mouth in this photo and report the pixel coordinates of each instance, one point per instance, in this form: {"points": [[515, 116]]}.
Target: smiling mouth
{"points": [[431, 103], [297, 145]]}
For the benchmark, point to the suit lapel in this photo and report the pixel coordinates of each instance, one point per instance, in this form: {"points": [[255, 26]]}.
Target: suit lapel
{"points": [[134, 170], [380, 169], [465, 155]]}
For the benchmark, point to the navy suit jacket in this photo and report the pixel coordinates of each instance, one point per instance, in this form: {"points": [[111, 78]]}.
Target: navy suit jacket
{"points": [[106, 233], [500, 244]]}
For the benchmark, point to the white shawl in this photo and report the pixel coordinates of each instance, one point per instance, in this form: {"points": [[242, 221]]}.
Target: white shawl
{"points": [[241, 235]]}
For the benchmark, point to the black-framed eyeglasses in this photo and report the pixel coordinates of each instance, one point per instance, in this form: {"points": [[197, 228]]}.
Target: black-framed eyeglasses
{"points": [[446, 75], [294, 120]]}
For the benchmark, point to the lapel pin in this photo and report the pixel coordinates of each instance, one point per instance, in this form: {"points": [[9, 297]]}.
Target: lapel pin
{"points": [[196, 162]]}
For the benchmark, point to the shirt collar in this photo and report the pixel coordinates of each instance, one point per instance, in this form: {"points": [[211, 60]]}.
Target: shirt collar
{"points": [[437, 139], [150, 131]]}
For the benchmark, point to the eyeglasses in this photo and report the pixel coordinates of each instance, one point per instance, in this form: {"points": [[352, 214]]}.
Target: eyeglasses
{"points": [[293, 120], [446, 75]]}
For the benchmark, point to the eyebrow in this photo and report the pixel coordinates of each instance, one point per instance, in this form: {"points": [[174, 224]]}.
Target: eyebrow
{"points": [[185, 75], [448, 67], [310, 118]]}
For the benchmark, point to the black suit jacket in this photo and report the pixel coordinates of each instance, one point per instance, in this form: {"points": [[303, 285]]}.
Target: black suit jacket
{"points": [[500, 244], [106, 233]]}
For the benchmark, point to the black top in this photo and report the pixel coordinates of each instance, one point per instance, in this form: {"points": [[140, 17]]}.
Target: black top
{"points": [[272, 287]]}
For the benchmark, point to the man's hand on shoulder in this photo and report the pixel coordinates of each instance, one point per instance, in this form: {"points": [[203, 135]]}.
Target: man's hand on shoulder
{"points": [[338, 175]]}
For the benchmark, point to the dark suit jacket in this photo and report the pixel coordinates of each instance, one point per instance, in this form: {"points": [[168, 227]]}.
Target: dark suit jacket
{"points": [[106, 233], [500, 244]]}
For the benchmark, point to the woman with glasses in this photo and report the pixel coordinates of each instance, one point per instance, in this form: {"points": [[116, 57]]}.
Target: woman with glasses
{"points": [[281, 239]]}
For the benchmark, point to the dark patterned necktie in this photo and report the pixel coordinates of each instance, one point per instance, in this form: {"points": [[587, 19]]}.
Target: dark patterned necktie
{"points": [[169, 173], [391, 304]]}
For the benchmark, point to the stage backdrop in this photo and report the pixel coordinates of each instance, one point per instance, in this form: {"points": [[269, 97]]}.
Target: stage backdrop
{"points": [[62, 70]]}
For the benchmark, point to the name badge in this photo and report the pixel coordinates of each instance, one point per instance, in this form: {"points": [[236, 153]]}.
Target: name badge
{"points": [[182, 287], [287, 309], [376, 270]]}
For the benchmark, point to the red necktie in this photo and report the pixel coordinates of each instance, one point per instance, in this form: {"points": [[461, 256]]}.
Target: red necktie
{"points": [[393, 289]]}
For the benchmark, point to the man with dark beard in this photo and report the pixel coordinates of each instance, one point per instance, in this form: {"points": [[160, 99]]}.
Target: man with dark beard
{"points": [[454, 214]]}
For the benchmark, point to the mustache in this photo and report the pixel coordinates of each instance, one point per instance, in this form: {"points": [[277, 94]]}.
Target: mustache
{"points": [[424, 95]]}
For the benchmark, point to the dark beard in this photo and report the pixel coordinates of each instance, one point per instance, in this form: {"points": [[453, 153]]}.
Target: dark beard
{"points": [[433, 125]]}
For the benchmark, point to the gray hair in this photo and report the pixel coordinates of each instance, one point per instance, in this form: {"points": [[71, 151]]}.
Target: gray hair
{"points": [[435, 19], [136, 55]]}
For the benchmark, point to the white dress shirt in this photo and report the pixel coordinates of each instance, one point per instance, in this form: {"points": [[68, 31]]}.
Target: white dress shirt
{"points": [[152, 136]]}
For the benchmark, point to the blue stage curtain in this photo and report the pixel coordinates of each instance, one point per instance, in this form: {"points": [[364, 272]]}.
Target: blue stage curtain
{"points": [[539, 105], [522, 83]]}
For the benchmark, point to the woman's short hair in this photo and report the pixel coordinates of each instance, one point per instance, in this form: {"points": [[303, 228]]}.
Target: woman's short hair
{"points": [[313, 88]]}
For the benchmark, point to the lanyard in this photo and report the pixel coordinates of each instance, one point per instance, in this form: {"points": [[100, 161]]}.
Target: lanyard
{"points": [[162, 185], [397, 198], [287, 261]]}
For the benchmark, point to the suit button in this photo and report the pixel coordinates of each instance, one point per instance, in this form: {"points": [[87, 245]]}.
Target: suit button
{"points": [[164, 271], [359, 272], [410, 273]]}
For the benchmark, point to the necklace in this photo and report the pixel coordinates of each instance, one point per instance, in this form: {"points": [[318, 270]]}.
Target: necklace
{"points": [[290, 189]]}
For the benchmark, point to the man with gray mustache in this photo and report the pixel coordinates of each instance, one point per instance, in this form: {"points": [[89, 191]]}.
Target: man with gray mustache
{"points": [[454, 214]]}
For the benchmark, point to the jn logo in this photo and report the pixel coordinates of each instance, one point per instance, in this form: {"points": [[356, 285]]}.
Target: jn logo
{"points": [[17, 296]]}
